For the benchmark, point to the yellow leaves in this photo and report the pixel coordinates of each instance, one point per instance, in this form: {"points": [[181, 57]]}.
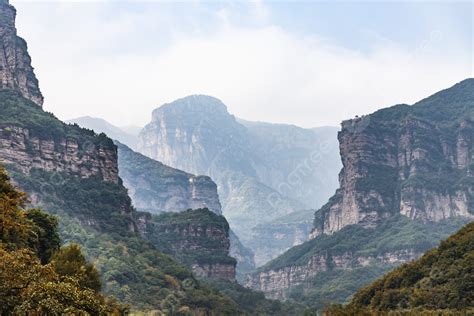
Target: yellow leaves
{"points": [[28, 286], [172, 281]]}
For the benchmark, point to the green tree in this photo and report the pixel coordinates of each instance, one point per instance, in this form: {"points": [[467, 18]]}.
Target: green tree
{"points": [[16, 231], [46, 229], [70, 262]]}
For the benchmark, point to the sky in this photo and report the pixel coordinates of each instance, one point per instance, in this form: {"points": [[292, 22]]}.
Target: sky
{"points": [[308, 63]]}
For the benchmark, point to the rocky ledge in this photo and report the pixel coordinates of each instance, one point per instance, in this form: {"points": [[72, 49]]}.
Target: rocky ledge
{"points": [[198, 238], [25, 152], [276, 283]]}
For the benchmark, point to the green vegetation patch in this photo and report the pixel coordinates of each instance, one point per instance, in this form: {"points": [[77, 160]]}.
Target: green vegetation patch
{"points": [[441, 281], [21, 112]]}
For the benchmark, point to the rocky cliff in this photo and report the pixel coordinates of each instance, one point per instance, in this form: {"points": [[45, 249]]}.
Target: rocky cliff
{"points": [[276, 283], [411, 160], [407, 182], [157, 188], [198, 238], [16, 72], [18, 147]]}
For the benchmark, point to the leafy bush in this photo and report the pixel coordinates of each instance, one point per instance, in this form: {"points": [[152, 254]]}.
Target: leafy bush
{"points": [[441, 280]]}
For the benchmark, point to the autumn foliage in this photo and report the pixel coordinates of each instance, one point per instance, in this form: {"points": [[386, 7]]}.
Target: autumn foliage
{"points": [[37, 277]]}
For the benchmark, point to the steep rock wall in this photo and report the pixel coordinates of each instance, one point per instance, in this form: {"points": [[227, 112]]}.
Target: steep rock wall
{"points": [[405, 160], [25, 152], [275, 283], [16, 72], [198, 238]]}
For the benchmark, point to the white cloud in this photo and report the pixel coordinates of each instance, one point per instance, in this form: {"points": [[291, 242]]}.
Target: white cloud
{"points": [[262, 73]]}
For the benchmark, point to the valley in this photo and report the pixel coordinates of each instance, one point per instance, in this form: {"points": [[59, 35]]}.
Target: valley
{"points": [[200, 212]]}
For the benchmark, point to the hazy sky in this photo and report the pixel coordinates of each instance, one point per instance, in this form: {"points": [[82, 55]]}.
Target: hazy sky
{"points": [[308, 63]]}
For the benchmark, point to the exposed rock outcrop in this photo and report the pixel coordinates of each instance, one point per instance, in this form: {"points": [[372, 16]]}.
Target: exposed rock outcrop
{"points": [[16, 72], [214, 270], [198, 238], [25, 152], [276, 283], [407, 160]]}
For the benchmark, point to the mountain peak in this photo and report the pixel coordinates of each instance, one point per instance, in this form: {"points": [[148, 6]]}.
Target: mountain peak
{"points": [[196, 104], [16, 72]]}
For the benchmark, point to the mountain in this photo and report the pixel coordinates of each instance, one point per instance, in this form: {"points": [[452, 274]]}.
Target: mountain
{"points": [[131, 130], [410, 160], [406, 183], [157, 188], [440, 282], [102, 126], [198, 238], [262, 170], [16, 72]]}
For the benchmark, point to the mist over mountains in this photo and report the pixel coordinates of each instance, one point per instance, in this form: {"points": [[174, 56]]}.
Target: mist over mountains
{"points": [[202, 213]]}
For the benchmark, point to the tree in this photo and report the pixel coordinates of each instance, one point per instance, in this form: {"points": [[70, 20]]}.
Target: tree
{"points": [[27, 286], [46, 229], [70, 262], [15, 228]]}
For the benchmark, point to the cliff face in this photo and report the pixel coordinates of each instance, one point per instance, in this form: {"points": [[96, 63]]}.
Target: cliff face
{"points": [[276, 284], [25, 151], [409, 160], [197, 238], [16, 72], [156, 188], [182, 135]]}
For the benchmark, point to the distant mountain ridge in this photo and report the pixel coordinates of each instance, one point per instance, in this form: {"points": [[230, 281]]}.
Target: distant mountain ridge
{"points": [[102, 126]]}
